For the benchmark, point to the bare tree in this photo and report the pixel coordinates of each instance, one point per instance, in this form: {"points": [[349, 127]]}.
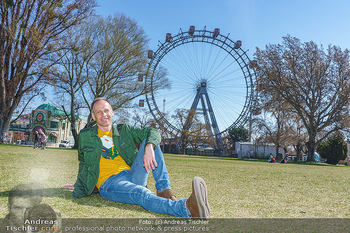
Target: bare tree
{"points": [[297, 137], [68, 75], [29, 30], [142, 117], [199, 136], [196, 134], [314, 82], [274, 123], [120, 46], [181, 116]]}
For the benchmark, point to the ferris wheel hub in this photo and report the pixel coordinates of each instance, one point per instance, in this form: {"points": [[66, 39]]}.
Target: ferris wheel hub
{"points": [[201, 83]]}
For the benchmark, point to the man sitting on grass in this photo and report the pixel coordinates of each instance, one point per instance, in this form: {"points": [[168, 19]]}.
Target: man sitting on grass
{"points": [[110, 161]]}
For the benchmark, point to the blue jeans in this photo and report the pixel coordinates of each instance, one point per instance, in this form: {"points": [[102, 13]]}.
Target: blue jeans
{"points": [[129, 187]]}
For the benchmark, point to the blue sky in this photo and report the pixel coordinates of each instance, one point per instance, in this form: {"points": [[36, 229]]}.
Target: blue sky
{"points": [[255, 22]]}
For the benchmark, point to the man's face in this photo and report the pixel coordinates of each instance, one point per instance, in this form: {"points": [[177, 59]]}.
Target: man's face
{"points": [[102, 113]]}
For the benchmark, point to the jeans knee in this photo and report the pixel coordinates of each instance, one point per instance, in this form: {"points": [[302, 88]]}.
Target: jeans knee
{"points": [[139, 194]]}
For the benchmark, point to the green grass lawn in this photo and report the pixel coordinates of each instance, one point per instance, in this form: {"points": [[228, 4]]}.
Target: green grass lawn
{"points": [[236, 188]]}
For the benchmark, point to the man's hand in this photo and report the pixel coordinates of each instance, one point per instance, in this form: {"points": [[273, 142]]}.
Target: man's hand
{"points": [[149, 160]]}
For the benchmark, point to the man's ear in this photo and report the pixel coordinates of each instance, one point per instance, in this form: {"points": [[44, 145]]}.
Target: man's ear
{"points": [[93, 117]]}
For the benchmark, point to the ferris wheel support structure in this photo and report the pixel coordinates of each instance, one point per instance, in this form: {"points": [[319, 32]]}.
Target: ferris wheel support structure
{"points": [[202, 95]]}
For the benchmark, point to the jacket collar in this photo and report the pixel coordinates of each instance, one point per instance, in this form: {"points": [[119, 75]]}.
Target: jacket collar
{"points": [[115, 131]]}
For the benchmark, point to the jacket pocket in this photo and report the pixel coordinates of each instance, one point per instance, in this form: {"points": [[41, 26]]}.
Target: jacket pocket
{"points": [[90, 155], [128, 152], [86, 181]]}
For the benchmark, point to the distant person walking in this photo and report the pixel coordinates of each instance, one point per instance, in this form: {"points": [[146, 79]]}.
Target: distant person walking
{"points": [[43, 140], [37, 139]]}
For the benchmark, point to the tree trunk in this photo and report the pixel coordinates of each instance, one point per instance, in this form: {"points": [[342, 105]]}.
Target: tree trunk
{"points": [[298, 149], [75, 136], [73, 120], [277, 147], [183, 144], [5, 117], [311, 146], [74, 129], [311, 153], [4, 128]]}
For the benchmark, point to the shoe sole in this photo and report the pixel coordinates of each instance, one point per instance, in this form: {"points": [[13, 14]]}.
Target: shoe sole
{"points": [[202, 197]]}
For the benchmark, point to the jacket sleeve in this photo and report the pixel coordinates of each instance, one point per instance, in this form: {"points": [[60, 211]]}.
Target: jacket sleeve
{"points": [[81, 186], [78, 186]]}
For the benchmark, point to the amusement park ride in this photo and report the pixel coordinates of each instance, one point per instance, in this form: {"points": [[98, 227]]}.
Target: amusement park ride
{"points": [[209, 74]]}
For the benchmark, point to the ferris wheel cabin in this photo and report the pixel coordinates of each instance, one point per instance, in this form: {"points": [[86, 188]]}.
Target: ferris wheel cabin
{"points": [[238, 44], [150, 54], [191, 30], [216, 32], [168, 37], [140, 78], [141, 103]]}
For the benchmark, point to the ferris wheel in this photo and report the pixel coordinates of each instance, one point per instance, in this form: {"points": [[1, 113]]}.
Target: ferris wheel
{"points": [[208, 73]]}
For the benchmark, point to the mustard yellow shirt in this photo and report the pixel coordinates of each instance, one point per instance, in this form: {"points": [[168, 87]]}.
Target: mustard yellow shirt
{"points": [[111, 162]]}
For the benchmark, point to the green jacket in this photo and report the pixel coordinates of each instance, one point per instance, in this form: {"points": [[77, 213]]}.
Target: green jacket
{"points": [[125, 138]]}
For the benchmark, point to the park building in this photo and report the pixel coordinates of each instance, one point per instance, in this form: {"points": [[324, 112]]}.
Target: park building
{"points": [[48, 119]]}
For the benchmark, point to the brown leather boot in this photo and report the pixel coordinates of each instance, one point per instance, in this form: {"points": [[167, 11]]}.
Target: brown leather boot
{"points": [[198, 203], [167, 194]]}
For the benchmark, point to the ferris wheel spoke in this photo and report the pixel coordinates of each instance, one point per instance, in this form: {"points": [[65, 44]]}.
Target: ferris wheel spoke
{"points": [[203, 62], [186, 58], [214, 63], [192, 50], [228, 70], [182, 63], [227, 79], [195, 61], [226, 110], [221, 117], [203, 58], [229, 82], [184, 79], [218, 66], [178, 96], [179, 66]]}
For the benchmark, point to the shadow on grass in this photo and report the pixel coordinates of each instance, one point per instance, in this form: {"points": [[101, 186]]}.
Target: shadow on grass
{"points": [[289, 162], [48, 192], [252, 160], [185, 156], [313, 163], [208, 157], [31, 146], [93, 200]]}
